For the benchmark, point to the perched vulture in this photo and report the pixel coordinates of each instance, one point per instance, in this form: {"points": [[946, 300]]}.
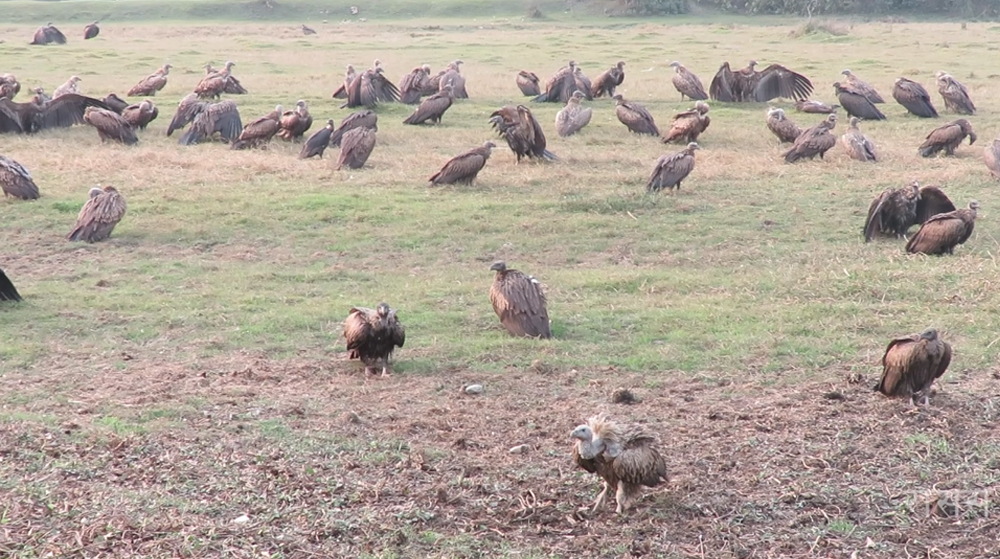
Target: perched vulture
{"points": [[464, 168], [943, 232], [48, 34], [895, 210], [349, 75], [635, 117], [748, 85], [258, 133], [140, 114], [187, 109], [214, 84], [606, 83], [779, 125], [991, 155], [413, 85], [452, 75], [91, 31], [222, 117], [232, 85], [9, 86], [519, 302], [956, 96], [625, 460], [306, 30], [573, 117], [858, 145], [912, 363], [814, 107], [433, 108], [71, 86], [318, 142], [522, 132], [947, 138], [914, 97], [110, 126], [862, 87], [688, 125], [7, 290], [115, 103], [671, 169], [372, 335], [358, 119], [355, 147], [99, 215], [855, 103], [369, 89], [16, 181], [687, 84], [148, 86], [295, 123], [31, 117], [560, 86], [527, 82], [813, 141]]}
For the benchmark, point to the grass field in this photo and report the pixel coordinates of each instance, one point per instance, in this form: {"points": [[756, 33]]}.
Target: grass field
{"points": [[180, 390]]}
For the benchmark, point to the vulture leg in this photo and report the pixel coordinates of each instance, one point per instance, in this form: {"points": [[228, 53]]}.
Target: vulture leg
{"points": [[600, 498], [621, 497]]}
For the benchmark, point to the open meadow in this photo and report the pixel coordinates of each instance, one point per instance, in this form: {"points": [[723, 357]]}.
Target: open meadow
{"points": [[180, 389]]}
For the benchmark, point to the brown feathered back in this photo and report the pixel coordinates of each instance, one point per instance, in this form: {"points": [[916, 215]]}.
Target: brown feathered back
{"points": [[373, 334], [464, 168], [355, 147], [635, 117], [99, 215], [110, 126], [943, 232], [16, 181], [519, 302], [781, 126], [912, 363], [688, 125]]}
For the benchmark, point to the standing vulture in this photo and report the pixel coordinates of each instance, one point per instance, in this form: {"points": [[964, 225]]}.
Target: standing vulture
{"points": [[318, 142], [48, 34], [295, 123], [413, 85], [349, 75], [687, 84], [91, 31], [625, 461], [7, 290], [141, 114], [688, 125], [110, 126], [914, 97], [573, 117], [71, 86], [855, 102], [372, 335], [9, 86], [895, 210], [38, 114], [148, 86], [991, 155], [519, 302], [943, 232], [560, 86], [115, 103], [215, 83], [222, 117], [523, 133], [527, 82], [635, 117], [862, 87], [814, 107], [912, 363], [671, 169], [452, 75], [369, 89], [16, 181], [306, 30], [433, 108], [955, 95], [748, 85], [813, 141], [259, 132], [606, 83], [947, 138], [583, 83], [464, 168], [358, 119], [99, 215], [232, 85], [355, 147], [858, 146], [779, 125]]}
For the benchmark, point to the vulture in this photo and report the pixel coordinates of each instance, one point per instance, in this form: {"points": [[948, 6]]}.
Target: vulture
{"points": [[295, 123], [413, 85], [947, 138], [233, 85], [99, 215], [369, 89], [40, 97], [48, 34], [140, 114], [942, 233], [464, 168], [573, 117], [209, 118], [991, 155], [912, 363], [813, 141], [606, 83], [91, 31], [521, 130], [856, 103], [110, 126], [39, 114], [895, 210], [858, 145], [433, 108], [372, 335], [318, 142], [687, 84], [688, 125], [9, 86], [814, 107], [148, 86], [16, 181], [560, 86], [306, 30], [187, 109], [862, 87], [527, 82], [259, 132], [625, 460], [71, 86], [451, 75], [214, 84], [955, 95], [519, 302], [914, 97], [749, 85], [779, 125], [355, 147], [349, 75], [671, 169], [359, 119], [635, 117], [115, 103], [583, 83], [7, 290]]}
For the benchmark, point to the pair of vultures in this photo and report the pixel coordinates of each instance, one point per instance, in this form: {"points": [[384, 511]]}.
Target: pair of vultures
{"points": [[942, 227], [355, 137], [569, 79], [48, 34]]}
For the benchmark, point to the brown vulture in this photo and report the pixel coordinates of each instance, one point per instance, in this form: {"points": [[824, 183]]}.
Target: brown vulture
{"points": [[318, 142], [71, 86], [48, 34], [519, 302], [813, 141], [39, 97], [914, 98], [671, 169], [635, 116], [432, 84], [369, 89], [306, 30], [748, 85], [209, 118], [141, 114], [991, 155], [148, 86], [452, 75], [527, 82], [858, 146], [37, 114], [625, 460], [560, 86], [115, 103], [862, 87], [355, 147], [895, 210], [358, 119], [583, 83], [295, 123], [214, 84], [955, 95], [942, 233], [233, 85], [349, 75], [433, 108], [687, 84], [814, 107], [912, 363], [7, 290], [91, 31], [779, 125], [573, 117], [522, 132], [187, 109], [258, 133], [413, 85], [16, 181], [9, 86], [372, 335], [464, 168], [688, 125], [855, 103], [947, 138], [99, 215], [606, 83], [110, 126]]}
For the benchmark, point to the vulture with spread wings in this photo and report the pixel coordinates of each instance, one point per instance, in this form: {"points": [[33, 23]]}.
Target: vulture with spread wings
{"points": [[519, 302], [749, 85], [99, 215], [39, 114], [211, 118], [895, 210], [48, 34]]}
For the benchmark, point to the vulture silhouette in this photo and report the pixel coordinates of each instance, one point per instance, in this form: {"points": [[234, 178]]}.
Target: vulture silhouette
{"points": [[294, 123], [855, 103], [862, 87], [671, 169], [355, 147], [857, 145], [750, 85], [687, 84], [813, 141], [914, 98], [955, 95], [688, 125], [527, 82], [606, 83], [148, 86], [635, 117], [573, 117], [318, 142], [522, 132], [110, 126], [814, 107], [365, 118]]}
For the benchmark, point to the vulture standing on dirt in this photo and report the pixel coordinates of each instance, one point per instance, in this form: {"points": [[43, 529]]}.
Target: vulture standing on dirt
{"points": [[355, 147], [947, 138], [855, 103], [91, 31], [463, 168], [814, 107], [349, 75], [626, 460], [306, 30], [687, 84], [635, 117], [858, 146], [140, 115], [991, 155], [16, 181], [318, 142], [519, 302], [36, 115], [895, 210], [748, 85], [955, 95], [779, 125], [148, 86], [9, 86], [606, 83], [369, 89], [688, 125], [862, 87], [914, 98], [258, 133], [358, 119], [115, 103], [560, 86], [7, 290], [433, 108], [912, 363], [527, 82], [232, 85], [942, 233], [573, 117], [814, 141], [413, 85], [522, 132], [99, 215], [214, 84], [48, 34], [70, 87], [295, 123], [671, 169], [222, 117], [110, 126], [372, 335]]}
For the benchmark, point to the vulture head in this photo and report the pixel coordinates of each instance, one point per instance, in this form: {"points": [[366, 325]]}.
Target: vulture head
{"points": [[941, 74], [383, 312], [330, 125], [619, 100], [847, 73], [38, 91], [701, 107], [973, 205], [166, 69], [831, 121], [572, 65], [778, 114], [74, 79], [676, 65], [930, 335], [277, 110], [95, 192], [377, 64], [230, 64], [49, 24], [498, 266], [693, 146], [587, 445], [577, 95], [426, 68], [489, 146], [146, 105], [300, 105], [751, 65], [350, 68], [853, 123]]}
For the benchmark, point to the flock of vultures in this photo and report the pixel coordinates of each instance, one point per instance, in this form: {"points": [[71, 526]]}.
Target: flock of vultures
{"points": [[625, 459]]}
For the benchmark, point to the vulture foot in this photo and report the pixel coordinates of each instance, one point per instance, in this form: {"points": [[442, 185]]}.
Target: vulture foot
{"points": [[600, 498]]}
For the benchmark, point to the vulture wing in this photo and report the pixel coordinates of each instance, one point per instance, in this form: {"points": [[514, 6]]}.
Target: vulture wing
{"points": [[639, 462], [461, 168], [685, 127], [527, 82], [7, 290], [519, 302], [432, 108], [385, 90], [933, 201], [900, 356], [688, 84], [98, 217], [914, 97], [991, 155], [53, 35], [148, 86], [811, 143], [10, 117], [257, 133], [956, 97], [778, 81], [940, 234], [223, 118], [40, 37], [358, 329], [115, 103], [856, 104], [637, 119], [233, 86], [68, 110], [721, 88], [670, 170], [355, 147], [111, 126], [874, 221], [188, 108], [365, 118], [858, 146], [16, 181], [410, 87], [786, 130]]}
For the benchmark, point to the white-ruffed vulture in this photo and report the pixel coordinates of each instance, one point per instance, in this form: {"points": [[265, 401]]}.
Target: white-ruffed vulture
{"points": [[465, 167], [91, 31], [748, 85], [16, 181], [858, 146], [148, 86], [370, 88], [349, 75], [140, 115], [942, 233], [355, 147], [71, 86], [527, 82], [365, 118], [306, 30], [895, 210], [318, 142], [914, 98], [188, 108], [452, 75], [947, 138], [222, 118], [36, 115], [7, 290], [606, 83], [519, 302], [955, 95], [110, 126], [573, 117], [433, 108], [258, 133], [372, 335], [671, 169], [687, 84], [814, 107], [413, 85], [912, 363], [48, 34], [522, 132], [99, 215], [214, 84], [625, 460], [295, 123], [635, 116], [813, 141], [9, 86], [779, 125], [233, 85], [855, 103], [115, 103], [688, 125], [991, 156], [862, 87], [560, 86]]}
